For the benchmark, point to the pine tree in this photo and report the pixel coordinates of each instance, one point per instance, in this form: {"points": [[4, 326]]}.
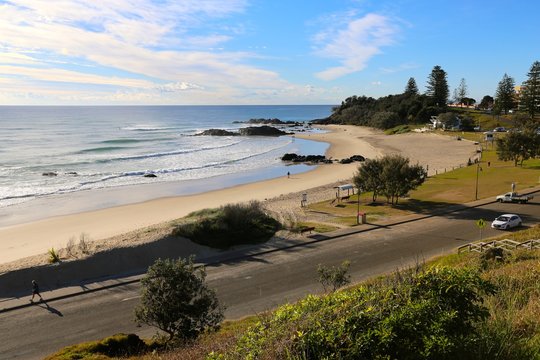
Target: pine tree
{"points": [[530, 96], [505, 97], [461, 91], [411, 88], [437, 86]]}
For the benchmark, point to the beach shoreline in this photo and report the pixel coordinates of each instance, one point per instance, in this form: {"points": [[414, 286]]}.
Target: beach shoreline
{"points": [[22, 240]]}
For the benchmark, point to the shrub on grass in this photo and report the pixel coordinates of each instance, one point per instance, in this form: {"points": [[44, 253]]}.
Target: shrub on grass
{"points": [[230, 225], [119, 345]]}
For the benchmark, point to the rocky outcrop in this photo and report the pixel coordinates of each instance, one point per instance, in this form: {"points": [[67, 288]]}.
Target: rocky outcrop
{"points": [[150, 175], [248, 131], [216, 132], [261, 131], [353, 158], [295, 158]]}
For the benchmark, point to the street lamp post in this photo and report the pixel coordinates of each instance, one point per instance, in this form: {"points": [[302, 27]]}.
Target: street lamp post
{"points": [[477, 172]]}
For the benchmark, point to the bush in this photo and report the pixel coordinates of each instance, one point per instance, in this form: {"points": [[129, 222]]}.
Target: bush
{"points": [[230, 225], [54, 257], [426, 315], [176, 300]]}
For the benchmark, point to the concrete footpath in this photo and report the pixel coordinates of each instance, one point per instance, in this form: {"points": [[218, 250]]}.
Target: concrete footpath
{"points": [[17, 302]]}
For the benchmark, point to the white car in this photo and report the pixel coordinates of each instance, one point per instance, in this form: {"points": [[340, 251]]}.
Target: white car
{"points": [[506, 221]]}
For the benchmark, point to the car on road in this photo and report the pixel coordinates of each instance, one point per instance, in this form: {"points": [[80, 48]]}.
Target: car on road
{"points": [[514, 197], [506, 221]]}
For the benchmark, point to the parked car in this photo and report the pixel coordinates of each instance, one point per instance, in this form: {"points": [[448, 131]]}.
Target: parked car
{"points": [[506, 221], [499, 129]]}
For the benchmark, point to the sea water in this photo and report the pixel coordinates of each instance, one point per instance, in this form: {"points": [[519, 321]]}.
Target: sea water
{"points": [[51, 150]]}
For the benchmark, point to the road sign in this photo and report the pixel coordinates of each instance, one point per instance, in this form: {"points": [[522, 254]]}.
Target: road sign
{"points": [[481, 223]]}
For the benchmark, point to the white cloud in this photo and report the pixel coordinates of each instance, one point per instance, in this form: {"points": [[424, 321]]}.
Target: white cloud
{"points": [[178, 86], [142, 43], [354, 45]]}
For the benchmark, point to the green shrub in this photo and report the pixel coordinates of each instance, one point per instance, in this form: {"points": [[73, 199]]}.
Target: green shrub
{"points": [[229, 225], [426, 315], [54, 257], [176, 299]]}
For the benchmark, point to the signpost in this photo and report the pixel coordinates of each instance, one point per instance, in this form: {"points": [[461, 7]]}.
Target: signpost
{"points": [[481, 224]]}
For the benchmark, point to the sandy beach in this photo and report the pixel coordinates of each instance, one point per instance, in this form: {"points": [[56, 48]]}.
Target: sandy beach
{"points": [[439, 152]]}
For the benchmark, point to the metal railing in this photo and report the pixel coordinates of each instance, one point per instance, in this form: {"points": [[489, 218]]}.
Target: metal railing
{"points": [[506, 244]]}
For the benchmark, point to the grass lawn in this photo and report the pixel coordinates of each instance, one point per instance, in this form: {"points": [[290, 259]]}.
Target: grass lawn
{"points": [[453, 187]]}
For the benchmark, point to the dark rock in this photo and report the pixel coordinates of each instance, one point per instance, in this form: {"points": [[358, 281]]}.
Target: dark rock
{"points": [[72, 173], [150, 175], [305, 158], [353, 158], [261, 131], [289, 157], [49, 173], [216, 132]]}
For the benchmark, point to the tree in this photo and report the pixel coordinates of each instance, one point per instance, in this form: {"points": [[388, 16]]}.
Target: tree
{"points": [[176, 300], [505, 97], [486, 103], [461, 91], [391, 176], [411, 88], [437, 87], [530, 95], [467, 101], [399, 177], [368, 177], [518, 146]]}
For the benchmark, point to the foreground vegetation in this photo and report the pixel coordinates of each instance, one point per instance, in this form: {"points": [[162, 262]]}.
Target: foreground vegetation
{"points": [[469, 306]]}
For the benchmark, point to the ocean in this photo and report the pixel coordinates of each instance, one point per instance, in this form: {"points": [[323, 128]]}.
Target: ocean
{"points": [[47, 151]]}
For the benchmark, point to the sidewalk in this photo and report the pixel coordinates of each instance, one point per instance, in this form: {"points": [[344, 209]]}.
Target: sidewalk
{"points": [[10, 304]]}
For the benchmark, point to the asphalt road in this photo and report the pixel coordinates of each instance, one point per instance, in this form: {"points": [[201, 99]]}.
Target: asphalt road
{"points": [[251, 285]]}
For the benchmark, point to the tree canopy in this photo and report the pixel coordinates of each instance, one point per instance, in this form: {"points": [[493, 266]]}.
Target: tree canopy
{"points": [[411, 87], [391, 176], [518, 146], [505, 98], [437, 87], [530, 95]]}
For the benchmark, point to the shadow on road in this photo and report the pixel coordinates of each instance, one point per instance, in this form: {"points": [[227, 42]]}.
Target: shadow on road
{"points": [[44, 305]]}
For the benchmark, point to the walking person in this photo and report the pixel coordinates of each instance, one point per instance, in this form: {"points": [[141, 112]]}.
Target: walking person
{"points": [[35, 291]]}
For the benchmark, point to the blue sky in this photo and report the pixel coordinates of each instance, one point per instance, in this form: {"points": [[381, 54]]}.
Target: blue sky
{"points": [[182, 52]]}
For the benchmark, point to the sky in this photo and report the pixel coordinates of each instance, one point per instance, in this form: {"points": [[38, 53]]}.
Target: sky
{"points": [[219, 52]]}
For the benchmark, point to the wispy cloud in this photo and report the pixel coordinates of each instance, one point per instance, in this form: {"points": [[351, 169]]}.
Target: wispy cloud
{"points": [[152, 46], [399, 68], [354, 42]]}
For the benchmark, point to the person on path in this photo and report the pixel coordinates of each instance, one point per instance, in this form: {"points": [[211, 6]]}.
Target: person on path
{"points": [[35, 291], [288, 174]]}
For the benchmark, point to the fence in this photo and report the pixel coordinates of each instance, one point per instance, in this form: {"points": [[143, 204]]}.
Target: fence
{"points": [[506, 244]]}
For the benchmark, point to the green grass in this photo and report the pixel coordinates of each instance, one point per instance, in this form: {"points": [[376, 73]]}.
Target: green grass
{"points": [[320, 228]]}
